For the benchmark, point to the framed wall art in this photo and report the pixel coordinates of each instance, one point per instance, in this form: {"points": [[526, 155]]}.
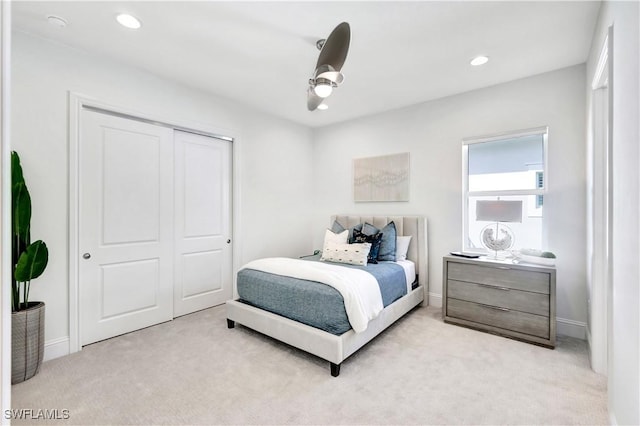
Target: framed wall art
{"points": [[384, 178]]}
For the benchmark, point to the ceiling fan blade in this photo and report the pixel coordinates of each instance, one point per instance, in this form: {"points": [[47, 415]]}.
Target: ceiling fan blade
{"points": [[335, 49], [313, 100]]}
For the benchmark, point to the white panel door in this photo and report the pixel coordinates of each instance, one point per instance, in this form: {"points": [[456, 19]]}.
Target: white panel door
{"points": [[125, 225], [203, 269]]}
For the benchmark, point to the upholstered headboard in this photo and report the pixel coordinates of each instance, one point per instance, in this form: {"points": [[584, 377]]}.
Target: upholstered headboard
{"points": [[416, 226]]}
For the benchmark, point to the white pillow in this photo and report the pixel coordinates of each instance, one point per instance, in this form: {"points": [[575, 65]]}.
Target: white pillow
{"points": [[336, 238], [353, 254], [402, 247]]}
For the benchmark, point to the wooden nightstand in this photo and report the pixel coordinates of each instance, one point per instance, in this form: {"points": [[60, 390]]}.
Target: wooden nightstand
{"points": [[512, 300]]}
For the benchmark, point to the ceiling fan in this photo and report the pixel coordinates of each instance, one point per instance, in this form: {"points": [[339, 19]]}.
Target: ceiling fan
{"points": [[327, 75]]}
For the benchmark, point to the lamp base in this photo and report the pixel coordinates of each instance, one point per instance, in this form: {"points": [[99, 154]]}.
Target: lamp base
{"points": [[497, 238], [496, 256]]}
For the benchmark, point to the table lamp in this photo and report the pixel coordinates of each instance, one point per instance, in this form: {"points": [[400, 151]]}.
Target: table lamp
{"points": [[497, 236]]}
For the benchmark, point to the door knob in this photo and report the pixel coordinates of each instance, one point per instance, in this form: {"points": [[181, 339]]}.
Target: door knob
{"points": [[86, 256]]}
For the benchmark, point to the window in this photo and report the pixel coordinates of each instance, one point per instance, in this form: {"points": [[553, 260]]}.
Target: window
{"points": [[506, 167]]}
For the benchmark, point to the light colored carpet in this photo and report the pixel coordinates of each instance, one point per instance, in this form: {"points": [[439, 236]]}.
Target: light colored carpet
{"points": [[194, 370]]}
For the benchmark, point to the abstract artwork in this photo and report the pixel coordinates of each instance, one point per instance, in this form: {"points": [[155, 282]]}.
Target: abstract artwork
{"points": [[384, 178]]}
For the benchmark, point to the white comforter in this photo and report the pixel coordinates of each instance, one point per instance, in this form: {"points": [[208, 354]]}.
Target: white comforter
{"points": [[359, 289]]}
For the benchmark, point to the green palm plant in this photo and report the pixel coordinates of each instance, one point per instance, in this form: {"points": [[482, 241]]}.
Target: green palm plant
{"points": [[29, 259]]}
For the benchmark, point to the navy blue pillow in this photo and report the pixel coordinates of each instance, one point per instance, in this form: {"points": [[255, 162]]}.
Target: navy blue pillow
{"points": [[374, 240], [357, 227]]}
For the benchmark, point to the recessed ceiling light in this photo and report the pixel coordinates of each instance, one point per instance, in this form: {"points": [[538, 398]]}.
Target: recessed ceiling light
{"points": [[128, 21], [56, 21], [323, 106], [479, 60]]}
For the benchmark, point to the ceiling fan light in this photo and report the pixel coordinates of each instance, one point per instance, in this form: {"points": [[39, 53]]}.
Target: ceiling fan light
{"points": [[326, 76], [323, 88]]}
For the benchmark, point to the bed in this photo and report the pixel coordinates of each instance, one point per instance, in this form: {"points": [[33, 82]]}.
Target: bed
{"points": [[335, 342]]}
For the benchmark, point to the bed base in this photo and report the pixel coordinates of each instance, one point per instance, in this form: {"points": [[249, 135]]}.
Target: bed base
{"points": [[327, 346], [335, 368]]}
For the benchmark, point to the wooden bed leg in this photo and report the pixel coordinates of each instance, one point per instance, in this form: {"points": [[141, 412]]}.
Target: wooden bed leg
{"points": [[230, 323], [335, 370]]}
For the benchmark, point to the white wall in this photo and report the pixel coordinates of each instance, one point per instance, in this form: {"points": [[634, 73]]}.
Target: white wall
{"points": [[624, 362], [274, 207], [432, 132]]}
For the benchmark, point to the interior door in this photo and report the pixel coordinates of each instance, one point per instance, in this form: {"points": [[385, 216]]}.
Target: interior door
{"points": [[126, 225], [203, 266]]}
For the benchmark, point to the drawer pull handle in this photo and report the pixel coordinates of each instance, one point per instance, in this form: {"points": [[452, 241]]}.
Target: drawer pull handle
{"points": [[497, 308], [494, 287]]}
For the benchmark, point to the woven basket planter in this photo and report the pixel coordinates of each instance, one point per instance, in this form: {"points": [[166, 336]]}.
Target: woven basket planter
{"points": [[27, 342]]}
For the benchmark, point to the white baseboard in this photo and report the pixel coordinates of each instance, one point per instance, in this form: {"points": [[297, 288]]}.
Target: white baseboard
{"points": [[435, 300], [56, 348], [571, 328], [60, 347]]}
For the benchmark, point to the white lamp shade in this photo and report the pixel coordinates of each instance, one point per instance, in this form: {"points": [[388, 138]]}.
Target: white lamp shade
{"points": [[499, 210]]}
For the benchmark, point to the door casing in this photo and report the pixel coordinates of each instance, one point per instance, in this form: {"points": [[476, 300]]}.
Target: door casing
{"points": [[600, 230]]}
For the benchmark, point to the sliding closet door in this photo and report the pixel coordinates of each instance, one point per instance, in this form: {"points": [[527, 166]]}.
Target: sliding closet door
{"points": [[126, 216], [203, 267]]}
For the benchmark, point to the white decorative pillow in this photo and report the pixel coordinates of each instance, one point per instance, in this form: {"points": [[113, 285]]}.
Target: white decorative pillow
{"points": [[353, 254], [335, 238], [402, 247]]}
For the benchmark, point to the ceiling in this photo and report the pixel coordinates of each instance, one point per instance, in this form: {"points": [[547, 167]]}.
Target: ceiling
{"points": [[262, 53]]}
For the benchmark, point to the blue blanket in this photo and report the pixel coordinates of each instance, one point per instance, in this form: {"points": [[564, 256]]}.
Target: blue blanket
{"points": [[313, 303]]}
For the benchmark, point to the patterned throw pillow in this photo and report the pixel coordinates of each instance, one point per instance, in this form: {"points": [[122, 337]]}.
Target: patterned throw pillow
{"points": [[375, 241], [352, 254], [334, 237]]}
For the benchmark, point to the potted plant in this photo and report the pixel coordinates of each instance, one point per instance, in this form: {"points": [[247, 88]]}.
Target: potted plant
{"points": [[29, 262]]}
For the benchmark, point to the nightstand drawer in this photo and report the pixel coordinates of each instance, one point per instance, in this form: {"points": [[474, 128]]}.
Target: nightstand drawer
{"points": [[524, 301], [521, 322], [502, 276]]}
